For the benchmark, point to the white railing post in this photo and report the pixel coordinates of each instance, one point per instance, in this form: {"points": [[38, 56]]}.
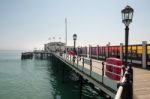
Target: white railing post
{"points": [[97, 51], [144, 45], [89, 51], [107, 51]]}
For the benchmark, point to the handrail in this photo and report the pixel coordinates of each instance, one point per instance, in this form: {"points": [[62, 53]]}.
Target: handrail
{"points": [[125, 90], [113, 73], [96, 61], [116, 66], [84, 61], [97, 67], [120, 89]]}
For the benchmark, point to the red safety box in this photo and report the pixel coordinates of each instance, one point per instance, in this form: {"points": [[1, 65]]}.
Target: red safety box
{"points": [[112, 71]]}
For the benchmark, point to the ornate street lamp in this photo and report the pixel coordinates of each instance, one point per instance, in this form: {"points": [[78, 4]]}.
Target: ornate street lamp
{"points": [[108, 48], [74, 38], [127, 15], [60, 44]]}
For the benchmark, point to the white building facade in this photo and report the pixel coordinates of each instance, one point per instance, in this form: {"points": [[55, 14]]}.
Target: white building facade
{"points": [[54, 47]]}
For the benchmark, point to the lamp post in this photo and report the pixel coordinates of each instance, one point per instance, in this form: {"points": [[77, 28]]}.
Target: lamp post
{"points": [[108, 49], [127, 15], [54, 43], [74, 38], [59, 44]]}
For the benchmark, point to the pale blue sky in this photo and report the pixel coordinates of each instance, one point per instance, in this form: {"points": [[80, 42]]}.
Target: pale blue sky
{"points": [[25, 24]]}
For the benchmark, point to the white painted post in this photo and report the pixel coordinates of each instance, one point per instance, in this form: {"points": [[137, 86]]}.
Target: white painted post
{"points": [[89, 51], [33, 56], [144, 43], [97, 51], [121, 51]]}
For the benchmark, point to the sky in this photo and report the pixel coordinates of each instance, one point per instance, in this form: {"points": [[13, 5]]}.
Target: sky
{"points": [[28, 24]]}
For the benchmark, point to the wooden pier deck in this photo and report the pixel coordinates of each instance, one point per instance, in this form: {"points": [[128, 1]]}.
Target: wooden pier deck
{"points": [[141, 82]]}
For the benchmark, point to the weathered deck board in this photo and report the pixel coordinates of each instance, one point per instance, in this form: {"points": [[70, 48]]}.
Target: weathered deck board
{"points": [[141, 83]]}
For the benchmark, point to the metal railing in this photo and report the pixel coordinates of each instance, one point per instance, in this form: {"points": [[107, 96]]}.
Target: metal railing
{"points": [[92, 67], [115, 66], [125, 89], [85, 64]]}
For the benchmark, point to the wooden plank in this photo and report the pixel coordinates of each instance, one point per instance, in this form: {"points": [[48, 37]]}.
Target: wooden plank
{"points": [[141, 82]]}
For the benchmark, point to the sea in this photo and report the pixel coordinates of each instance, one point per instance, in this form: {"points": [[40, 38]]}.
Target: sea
{"points": [[38, 79]]}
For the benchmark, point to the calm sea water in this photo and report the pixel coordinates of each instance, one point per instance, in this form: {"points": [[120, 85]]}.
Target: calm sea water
{"points": [[37, 79]]}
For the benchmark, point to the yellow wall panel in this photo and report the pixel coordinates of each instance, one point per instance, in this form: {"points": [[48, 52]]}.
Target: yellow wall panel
{"points": [[148, 47], [133, 47], [148, 51], [139, 47], [129, 47], [139, 51]]}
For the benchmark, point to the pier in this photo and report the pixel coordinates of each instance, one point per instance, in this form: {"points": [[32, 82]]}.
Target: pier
{"points": [[93, 71], [90, 64], [35, 55], [119, 71], [96, 75]]}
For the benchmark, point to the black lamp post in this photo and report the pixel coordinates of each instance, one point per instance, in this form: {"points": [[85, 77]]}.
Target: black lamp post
{"points": [[127, 15], [74, 38], [59, 44], [108, 49]]}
